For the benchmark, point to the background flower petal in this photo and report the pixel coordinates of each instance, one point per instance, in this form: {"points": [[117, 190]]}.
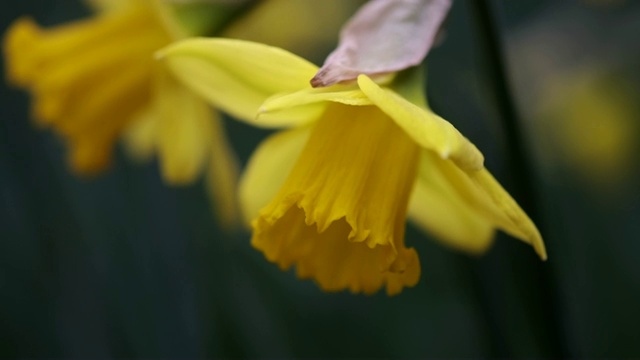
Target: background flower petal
{"points": [[268, 168], [222, 177], [184, 130]]}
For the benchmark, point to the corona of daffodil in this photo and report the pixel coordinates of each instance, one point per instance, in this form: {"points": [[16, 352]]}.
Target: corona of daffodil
{"points": [[331, 195]]}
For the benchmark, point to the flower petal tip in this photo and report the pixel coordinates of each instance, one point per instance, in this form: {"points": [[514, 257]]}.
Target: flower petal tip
{"points": [[542, 252]]}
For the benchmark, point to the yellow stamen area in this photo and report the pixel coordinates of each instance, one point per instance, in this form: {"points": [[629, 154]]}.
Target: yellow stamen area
{"points": [[88, 78], [340, 215]]}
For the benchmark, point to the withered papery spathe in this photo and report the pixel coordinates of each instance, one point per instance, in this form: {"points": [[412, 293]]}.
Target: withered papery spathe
{"points": [[384, 37]]}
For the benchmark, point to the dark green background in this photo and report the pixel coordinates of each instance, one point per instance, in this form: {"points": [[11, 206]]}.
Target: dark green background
{"points": [[123, 266]]}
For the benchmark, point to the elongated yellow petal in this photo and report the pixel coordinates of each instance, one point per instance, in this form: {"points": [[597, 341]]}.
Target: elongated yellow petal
{"points": [[528, 232], [237, 76], [184, 131], [139, 137], [307, 105], [279, 102], [426, 128], [188, 136], [222, 176], [268, 168], [437, 208], [484, 195]]}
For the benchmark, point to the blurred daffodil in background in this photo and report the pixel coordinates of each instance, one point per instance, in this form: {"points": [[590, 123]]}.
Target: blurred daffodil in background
{"points": [[580, 96], [331, 195], [94, 80], [590, 120], [88, 78]]}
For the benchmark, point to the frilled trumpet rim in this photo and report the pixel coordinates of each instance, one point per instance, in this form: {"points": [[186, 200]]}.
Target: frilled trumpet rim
{"points": [[340, 215]]}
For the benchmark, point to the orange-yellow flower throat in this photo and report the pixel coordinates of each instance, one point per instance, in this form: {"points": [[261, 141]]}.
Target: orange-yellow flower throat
{"points": [[88, 78], [340, 216]]}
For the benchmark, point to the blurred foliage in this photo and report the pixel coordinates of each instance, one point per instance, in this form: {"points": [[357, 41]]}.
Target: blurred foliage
{"points": [[125, 266]]}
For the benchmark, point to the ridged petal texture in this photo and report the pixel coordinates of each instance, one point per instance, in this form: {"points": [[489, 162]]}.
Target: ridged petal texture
{"points": [[268, 168], [339, 217]]}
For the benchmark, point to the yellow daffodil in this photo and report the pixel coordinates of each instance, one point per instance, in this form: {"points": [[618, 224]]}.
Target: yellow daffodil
{"points": [[589, 121], [331, 195], [88, 78], [95, 79]]}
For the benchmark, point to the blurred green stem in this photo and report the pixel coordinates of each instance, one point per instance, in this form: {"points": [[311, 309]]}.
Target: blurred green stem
{"points": [[545, 301]]}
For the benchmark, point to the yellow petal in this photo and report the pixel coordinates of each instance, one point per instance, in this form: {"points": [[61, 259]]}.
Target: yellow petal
{"points": [[108, 108], [500, 198], [437, 208], [88, 157], [340, 215], [184, 131], [139, 137], [268, 168], [482, 193], [308, 104], [238, 76], [426, 128], [347, 96], [222, 176]]}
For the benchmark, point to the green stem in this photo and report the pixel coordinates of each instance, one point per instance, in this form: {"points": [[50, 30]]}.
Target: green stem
{"points": [[545, 301]]}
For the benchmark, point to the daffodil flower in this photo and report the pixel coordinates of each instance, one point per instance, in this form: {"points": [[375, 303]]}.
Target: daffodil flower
{"points": [[331, 195], [95, 80], [88, 78]]}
